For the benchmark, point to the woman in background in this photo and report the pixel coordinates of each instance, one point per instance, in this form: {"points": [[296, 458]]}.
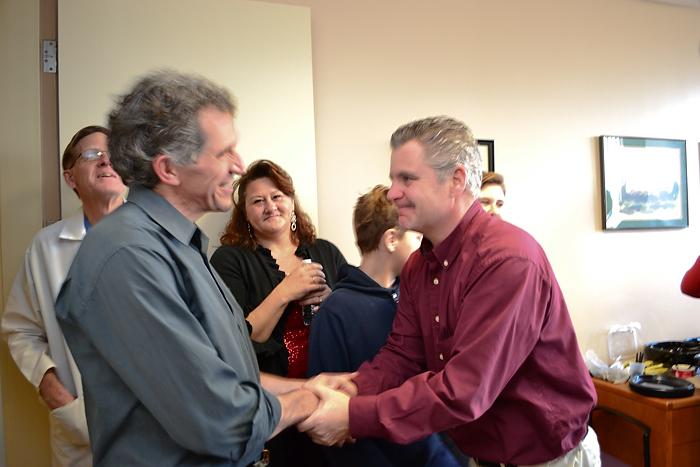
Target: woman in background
{"points": [[493, 193], [260, 259]]}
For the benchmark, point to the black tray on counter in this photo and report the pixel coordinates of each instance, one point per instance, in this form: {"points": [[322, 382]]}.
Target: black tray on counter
{"points": [[674, 352], [662, 386]]}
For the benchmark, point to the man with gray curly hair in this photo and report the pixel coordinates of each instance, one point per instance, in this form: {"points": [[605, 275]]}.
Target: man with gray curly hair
{"points": [[482, 346], [169, 372]]}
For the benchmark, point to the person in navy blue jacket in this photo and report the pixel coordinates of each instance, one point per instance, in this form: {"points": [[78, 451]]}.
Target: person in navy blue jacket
{"points": [[355, 319]]}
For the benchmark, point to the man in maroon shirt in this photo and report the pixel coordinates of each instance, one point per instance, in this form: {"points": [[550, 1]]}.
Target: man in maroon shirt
{"points": [[482, 345]]}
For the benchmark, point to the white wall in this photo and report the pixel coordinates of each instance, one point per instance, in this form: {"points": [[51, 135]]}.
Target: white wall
{"points": [[261, 52], [544, 79]]}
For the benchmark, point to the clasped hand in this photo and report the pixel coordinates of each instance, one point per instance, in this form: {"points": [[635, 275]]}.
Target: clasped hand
{"points": [[329, 424], [307, 283]]}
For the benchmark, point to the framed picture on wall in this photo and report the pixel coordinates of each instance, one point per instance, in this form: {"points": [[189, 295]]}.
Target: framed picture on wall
{"points": [[487, 155], [644, 183]]}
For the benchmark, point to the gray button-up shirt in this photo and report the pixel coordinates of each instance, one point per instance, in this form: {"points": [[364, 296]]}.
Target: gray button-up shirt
{"points": [[169, 373]]}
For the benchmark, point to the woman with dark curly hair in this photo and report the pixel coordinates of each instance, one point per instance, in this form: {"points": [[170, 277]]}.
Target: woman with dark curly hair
{"points": [[260, 259]]}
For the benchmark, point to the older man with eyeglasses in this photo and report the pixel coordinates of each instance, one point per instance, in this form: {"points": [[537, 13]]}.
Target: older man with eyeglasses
{"points": [[29, 322]]}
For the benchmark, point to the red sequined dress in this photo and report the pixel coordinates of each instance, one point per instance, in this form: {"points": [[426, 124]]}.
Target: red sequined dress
{"points": [[296, 339]]}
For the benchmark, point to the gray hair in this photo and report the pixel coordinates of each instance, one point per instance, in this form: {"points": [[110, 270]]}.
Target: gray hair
{"points": [[448, 143], [160, 115]]}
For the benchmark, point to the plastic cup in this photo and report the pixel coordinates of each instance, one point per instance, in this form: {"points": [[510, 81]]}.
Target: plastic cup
{"points": [[683, 371], [636, 369]]}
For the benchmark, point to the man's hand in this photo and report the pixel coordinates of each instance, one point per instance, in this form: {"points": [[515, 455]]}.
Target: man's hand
{"points": [[55, 395], [330, 423], [296, 406], [338, 381]]}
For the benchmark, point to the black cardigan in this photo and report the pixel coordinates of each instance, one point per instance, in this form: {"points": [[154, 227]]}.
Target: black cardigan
{"points": [[251, 276]]}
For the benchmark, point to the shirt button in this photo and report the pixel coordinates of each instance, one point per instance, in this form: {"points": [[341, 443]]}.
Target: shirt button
{"points": [[436, 281], [445, 263], [441, 358], [437, 319]]}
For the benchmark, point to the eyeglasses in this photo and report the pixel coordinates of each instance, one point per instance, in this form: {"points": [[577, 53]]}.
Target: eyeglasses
{"points": [[90, 155]]}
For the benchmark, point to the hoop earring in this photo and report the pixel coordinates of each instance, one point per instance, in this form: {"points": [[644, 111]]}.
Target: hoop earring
{"points": [[250, 231], [294, 221]]}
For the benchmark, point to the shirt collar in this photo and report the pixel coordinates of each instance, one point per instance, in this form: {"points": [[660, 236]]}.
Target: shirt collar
{"points": [[446, 252], [167, 216], [74, 228]]}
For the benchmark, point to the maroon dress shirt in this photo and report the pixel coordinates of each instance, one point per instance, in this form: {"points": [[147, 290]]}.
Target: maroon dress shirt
{"points": [[483, 347]]}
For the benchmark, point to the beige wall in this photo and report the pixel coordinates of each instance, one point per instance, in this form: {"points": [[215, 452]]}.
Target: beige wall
{"points": [[543, 78]]}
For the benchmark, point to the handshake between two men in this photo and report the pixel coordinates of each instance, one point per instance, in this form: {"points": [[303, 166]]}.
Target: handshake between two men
{"points": [[329, 424]]}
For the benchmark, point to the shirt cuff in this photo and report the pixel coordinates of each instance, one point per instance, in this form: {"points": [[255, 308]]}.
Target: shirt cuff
{"points": [[365, 384], [364, 418], [44, 364]]}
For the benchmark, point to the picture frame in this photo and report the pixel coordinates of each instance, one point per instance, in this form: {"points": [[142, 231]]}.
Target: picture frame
{"points": [[487, 154], [643, 183]]}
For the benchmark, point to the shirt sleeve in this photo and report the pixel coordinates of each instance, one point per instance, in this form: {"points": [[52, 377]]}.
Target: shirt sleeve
{"points": [[495, 333], [140, 318], [690, 285], [403, 355], [23, 326], [228, 265], [251, 276]]}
